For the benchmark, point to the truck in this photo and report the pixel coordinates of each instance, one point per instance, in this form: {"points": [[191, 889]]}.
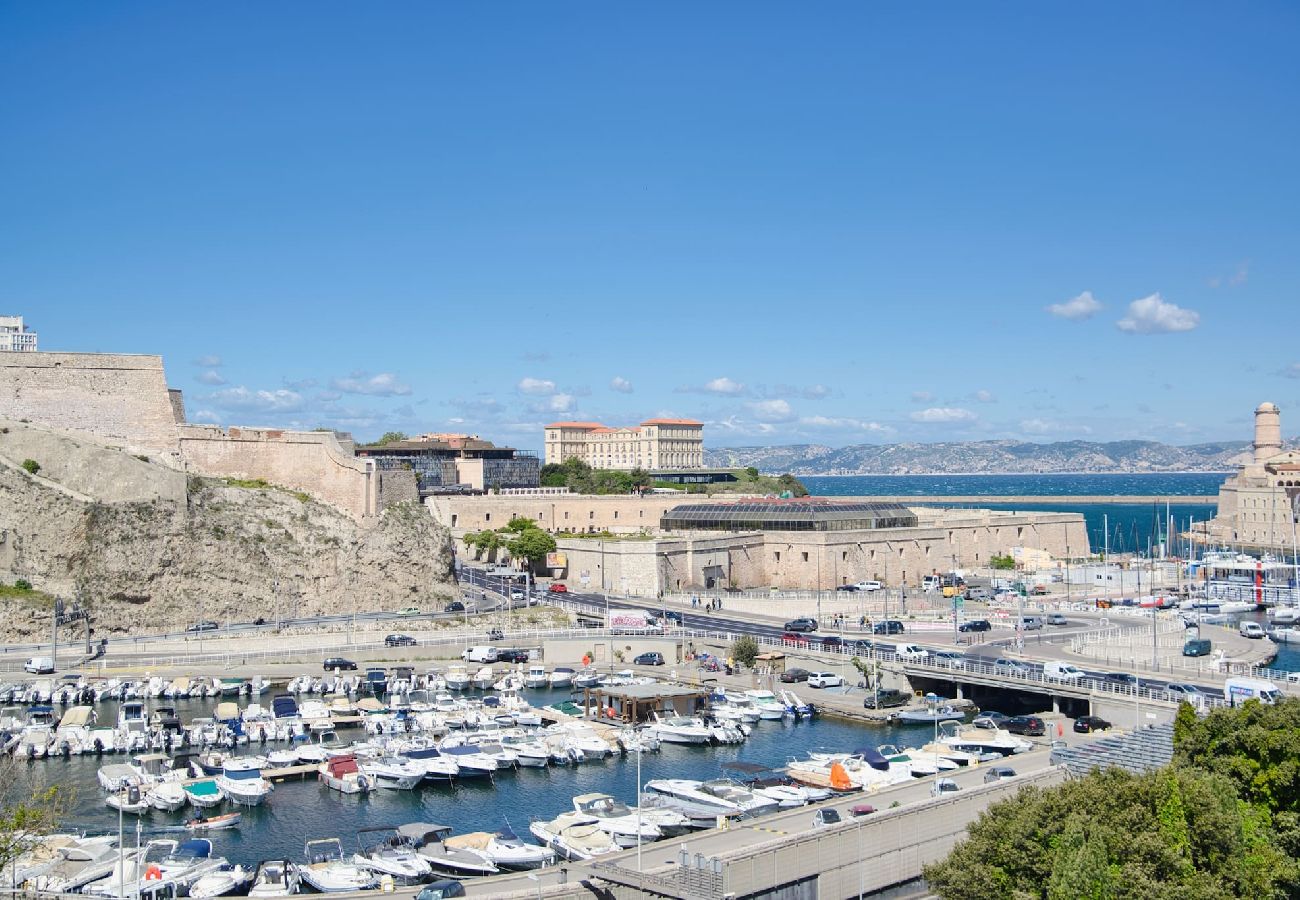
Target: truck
{"points": [[1239, 690], [633, 621]]}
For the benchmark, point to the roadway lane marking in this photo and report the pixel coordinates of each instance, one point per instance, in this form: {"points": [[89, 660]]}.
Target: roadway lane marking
{"points": [[768, 830]]}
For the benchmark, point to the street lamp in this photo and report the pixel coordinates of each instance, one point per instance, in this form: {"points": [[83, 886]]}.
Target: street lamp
{"points": [[932, 701]]}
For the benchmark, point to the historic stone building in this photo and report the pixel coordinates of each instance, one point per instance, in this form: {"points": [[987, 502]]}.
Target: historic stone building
{"points": [[1259, 506], [654, 444]]}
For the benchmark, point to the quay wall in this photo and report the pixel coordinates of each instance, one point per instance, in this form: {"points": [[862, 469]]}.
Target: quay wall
{"points": [[309, 461], [118, 398]]}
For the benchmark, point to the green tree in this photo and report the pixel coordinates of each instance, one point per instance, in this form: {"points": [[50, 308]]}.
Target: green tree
{"points": [[1080, 870], [31, 465], [744, 650], [751, 473], [1002, 562], [519, 524], [28, 809], [389, 437], [531, 544]]}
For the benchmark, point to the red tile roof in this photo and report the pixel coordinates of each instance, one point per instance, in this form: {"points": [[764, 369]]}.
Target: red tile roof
{"points": [[671, 422]]}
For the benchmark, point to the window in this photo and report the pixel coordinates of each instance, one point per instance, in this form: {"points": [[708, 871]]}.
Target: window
{"points": [[487, 517], [777, 555], [805, 556]]}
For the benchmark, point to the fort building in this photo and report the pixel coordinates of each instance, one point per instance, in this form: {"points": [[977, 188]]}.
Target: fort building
{"points": [[1259, 506], [654, 444]]}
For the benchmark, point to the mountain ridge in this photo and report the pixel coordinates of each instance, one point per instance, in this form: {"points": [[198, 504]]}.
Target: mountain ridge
{"points": [[993, 457]]}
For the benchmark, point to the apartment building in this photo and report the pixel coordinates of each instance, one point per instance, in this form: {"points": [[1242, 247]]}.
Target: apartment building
{"points": [[654, 444], [14, 336]]}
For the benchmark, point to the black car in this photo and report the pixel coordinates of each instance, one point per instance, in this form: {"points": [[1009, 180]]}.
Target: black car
{"points": [[1031, 726], [1124, 678], [795, 675], [203, 626], [801, 624], [400, 640], [975, 625], [338, 662], [884, 698], [649, 659], [889, 626], [1089, 724], [512, 655], [848, 588], [454, 606]]}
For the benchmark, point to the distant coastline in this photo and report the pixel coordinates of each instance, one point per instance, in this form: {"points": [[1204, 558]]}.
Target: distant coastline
{"points": [[1010, 474]]}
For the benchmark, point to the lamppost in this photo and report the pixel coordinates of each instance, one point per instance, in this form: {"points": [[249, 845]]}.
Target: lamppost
{"points": [[932, 702]]}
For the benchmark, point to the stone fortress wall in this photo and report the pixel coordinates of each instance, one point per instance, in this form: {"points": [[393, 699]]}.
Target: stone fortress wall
{"points": [[123, 400], [119, 398]]}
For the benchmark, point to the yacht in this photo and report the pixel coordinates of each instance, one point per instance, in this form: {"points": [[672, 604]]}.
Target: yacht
{"points": [[484, 677], [241, 780], [616, 818], [204, 793], [528, 752], [457, 678], [982, 740], [749, 802], [275, 878], [574, 836], [436, 766], [693, 792], [228, 879], [396, 773], [588, 677], [769, 707], [386, 851], [168, 796], [681, 730], [503, 849], [471, 761], [344, 774], [562, 677], [536, 677], [457, 862], [328, 872]]}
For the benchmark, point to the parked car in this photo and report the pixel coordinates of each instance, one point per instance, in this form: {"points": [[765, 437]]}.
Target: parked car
{"points": [[652, 658], [943, 786], [338, 662], [479, 654], [889, 626], [824, 680], [1089, 724], [999, 773], [454, 606], [795, 675], [1057, 619], [887, 697], [826, 816], [557, 588], [804, 623], [203, 626], [409, 611], [441, 889], [861, 809], [975, 625], [990, 718], [1010, 667], [1027, 725], [512, 655], [39, 665], [1197, 647], [830, 642], [1252, 630], [794, 639], [847, 588], [868, 585], [400, 640]]}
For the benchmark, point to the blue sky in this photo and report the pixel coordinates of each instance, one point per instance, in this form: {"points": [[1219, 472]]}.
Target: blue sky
{"points": [[838, 223]]}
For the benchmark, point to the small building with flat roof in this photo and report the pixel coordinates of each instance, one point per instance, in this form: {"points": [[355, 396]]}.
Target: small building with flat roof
{"points": [[633, 703]]}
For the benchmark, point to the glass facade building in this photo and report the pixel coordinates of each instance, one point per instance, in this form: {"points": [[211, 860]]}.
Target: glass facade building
{"points": [[787, 515]]}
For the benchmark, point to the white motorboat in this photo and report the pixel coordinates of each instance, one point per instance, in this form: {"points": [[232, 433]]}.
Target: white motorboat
{"points": [[275, 878], [693, 792], [167, 796], [1285, 615], [204, 793], [471, 761], [581, 736], [536, 677], [562, 677], [396, 773], [769, 707], [574, 836], [132, 800], [166, 867], [229, 879], [681, 730], [927, 716], [386, 851], [527, 751], [436, 767], [345, 775], [615, 817], [327, 871], [921, 762], [457, 678], [503, 849], [748, 802], [765, 782], [586, 678], [242, 781], [1284, 635], [982, 740], [484, 677], [457, 862]]}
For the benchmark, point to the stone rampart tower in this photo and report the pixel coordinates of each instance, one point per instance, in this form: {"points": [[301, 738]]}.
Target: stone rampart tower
{"points": [[1268, 431]]}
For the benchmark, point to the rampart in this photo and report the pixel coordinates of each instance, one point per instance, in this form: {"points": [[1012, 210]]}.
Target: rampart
{"points": [[119, 398], [310, 461]]}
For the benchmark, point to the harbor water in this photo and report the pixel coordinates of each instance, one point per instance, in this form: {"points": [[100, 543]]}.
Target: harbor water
{"points": [[300, 810]]}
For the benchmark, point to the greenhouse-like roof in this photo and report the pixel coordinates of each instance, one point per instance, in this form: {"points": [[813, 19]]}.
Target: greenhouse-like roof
{"points": [[805, 514]]}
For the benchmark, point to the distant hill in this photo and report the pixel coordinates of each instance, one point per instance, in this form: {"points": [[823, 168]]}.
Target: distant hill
{"points": [[985, 457]]}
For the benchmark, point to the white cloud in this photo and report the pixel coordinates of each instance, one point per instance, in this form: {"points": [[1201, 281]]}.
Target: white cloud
{"points": [[1291, 371], [922, 397], [242, 399], [205, 417], [620, 384], [772, 410], [844, 423], [723, 386], [984, 396], [1084, 306], [560, 403], [384, 384], [210, 377], [211, 361], [536, 387], [942, 414], [1153, 315], [1051, 426]]}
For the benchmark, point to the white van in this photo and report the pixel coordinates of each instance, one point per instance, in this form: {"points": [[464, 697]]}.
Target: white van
{"points": [[39, 665], [1031, 623], [1239, 690], [479, 654], [911, 653], [1061, 671], [1251, 630]]}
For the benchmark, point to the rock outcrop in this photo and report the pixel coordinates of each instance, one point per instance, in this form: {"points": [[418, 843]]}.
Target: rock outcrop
{"points": [[147, 548]]}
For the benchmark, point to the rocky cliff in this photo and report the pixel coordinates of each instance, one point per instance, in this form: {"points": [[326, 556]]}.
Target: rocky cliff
{"points": [[148, 547]]}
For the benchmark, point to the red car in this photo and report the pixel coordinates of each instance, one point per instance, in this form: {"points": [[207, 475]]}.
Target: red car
{"points": [[793, 638], [557, 588]]}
